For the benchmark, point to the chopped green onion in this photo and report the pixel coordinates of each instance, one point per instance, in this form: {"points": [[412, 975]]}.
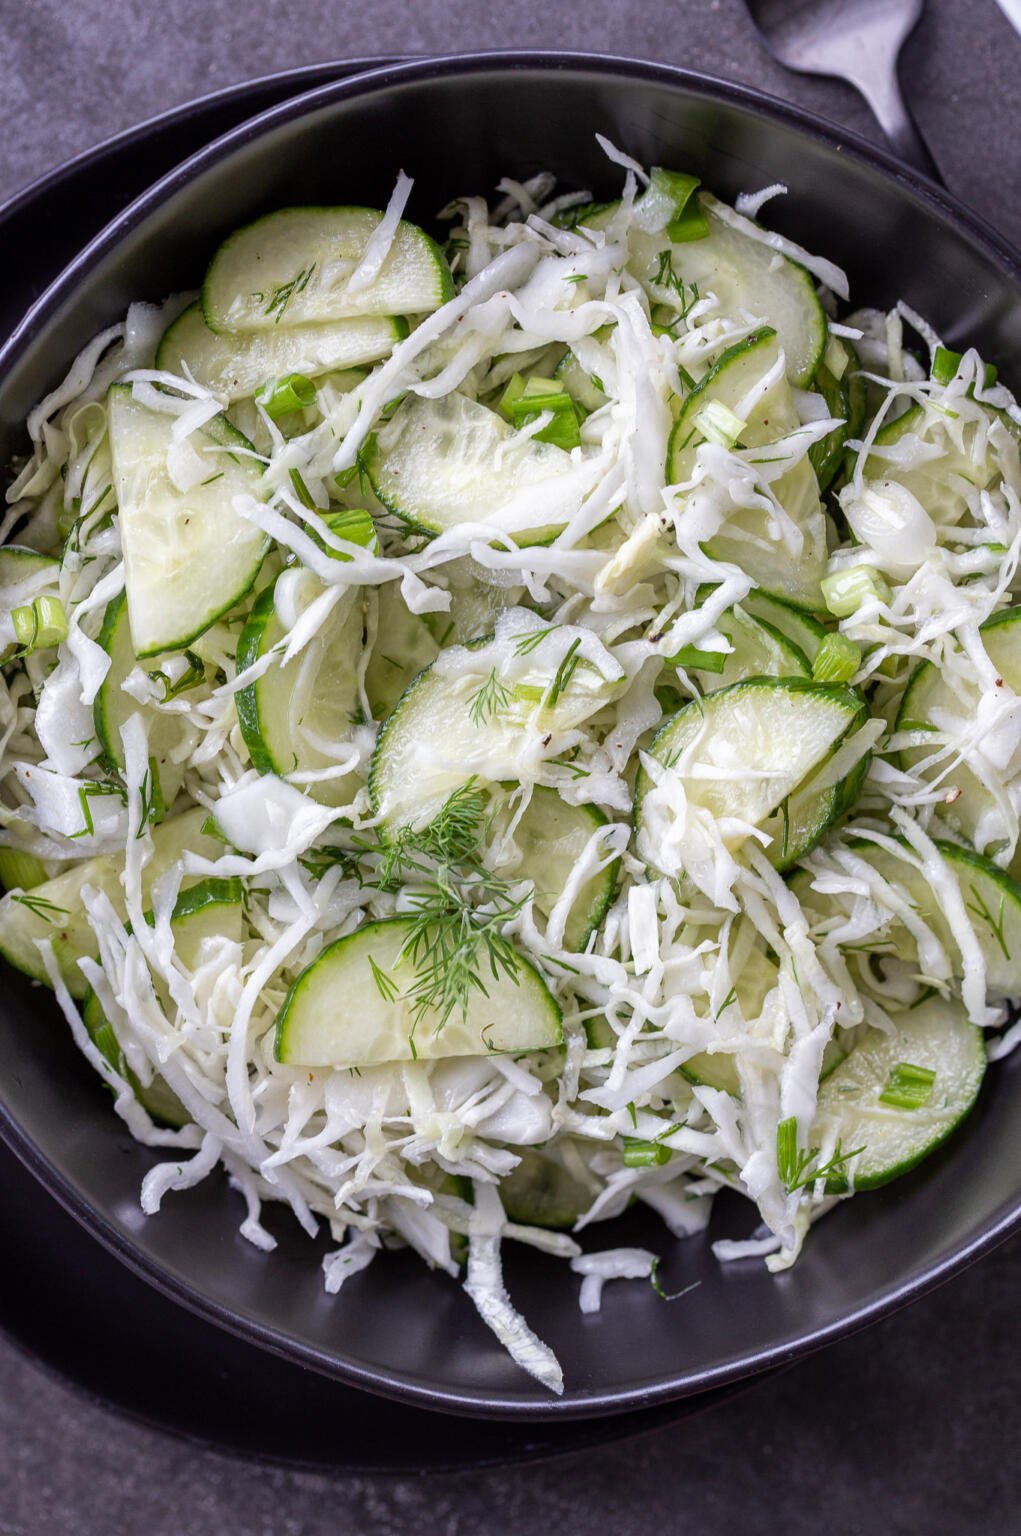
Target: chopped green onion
{"points": [[354, 525], [946, 363], [211, 828], [645, 1154], [39, 624], [845, 591], [702, 661], [719, 424], [675, 185], [525, 399], [291, 392], [908, 1086], [20, 871], [836, 660], [342, 479], [692, 224], [836, 357]]}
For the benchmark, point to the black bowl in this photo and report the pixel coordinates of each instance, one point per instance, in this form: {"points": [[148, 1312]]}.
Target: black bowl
{"points": [[458, 125]]}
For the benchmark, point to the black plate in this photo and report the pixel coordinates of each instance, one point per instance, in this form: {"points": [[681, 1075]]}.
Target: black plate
{"points": [[457, 125], [67, 1301]]}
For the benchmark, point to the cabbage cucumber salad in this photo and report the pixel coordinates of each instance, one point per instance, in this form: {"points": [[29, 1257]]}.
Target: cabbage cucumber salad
{"points": [[498, 732]]}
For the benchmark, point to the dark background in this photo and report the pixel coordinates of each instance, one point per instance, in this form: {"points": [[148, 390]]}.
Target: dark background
{"points": [[905, 1430]]}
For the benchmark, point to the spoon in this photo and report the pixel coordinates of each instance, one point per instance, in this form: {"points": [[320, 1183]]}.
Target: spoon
{"points": [[858, 41]]}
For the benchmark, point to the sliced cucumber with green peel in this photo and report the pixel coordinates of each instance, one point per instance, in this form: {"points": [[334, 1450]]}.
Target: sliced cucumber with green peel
{"points": [[542, 1192], [210, 909], [552, 836], [751, 543], [188, 555], [940, 483], [294, 267], [439, 463], [746, 276], [758, 742], [758, 650], [795, 624], [354, 1007], [113, 707], [404, 645], [235, 367], [845, 401], [441, 733], [928, 693], [991, 896], [581, 386], [290, 714], [157, 1099], [899, 1096], [55, 910]]}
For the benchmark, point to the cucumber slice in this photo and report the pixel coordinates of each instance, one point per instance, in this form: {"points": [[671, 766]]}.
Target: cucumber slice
{"points": [[542, 1192], [758, 743], [113, 706], [581, 386], [935, 1036], [211, 909], [404, 645], [437, 737], [747, 277], [940, 483], [157, 1098], [234, 367], [845, 399], [759, 650], [552, 836], [290, 711], [188, 556], [992, 897], [21, 871], [56, 911], [751, 544], [294, 267], [797, 626], [376, 1022], [973, 813], [439, 463]]}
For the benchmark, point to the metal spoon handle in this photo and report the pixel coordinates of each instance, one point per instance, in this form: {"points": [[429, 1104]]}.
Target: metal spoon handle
{"points": [[882, 91]]}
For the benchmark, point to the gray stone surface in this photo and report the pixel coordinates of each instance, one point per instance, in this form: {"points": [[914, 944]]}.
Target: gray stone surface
{"points": [[905, 1429]]}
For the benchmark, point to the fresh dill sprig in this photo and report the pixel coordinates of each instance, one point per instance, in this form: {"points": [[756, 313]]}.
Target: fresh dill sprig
{"points": [[281, 296], [799, 1166], [489, 700], [385, 985], [526, 643], [687, 294], [563, 674], [40, 907], [980, 907]]}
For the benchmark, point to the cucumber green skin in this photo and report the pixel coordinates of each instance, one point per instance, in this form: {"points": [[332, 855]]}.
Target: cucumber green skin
{"points": [[246, 700], [446, 281], [379, 753], [844, 397], [116, 614], [834, 803], [702, 391], [797, 626]]}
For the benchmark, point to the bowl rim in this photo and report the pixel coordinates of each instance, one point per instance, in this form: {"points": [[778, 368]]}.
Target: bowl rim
{"points": [[374, 75]]}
